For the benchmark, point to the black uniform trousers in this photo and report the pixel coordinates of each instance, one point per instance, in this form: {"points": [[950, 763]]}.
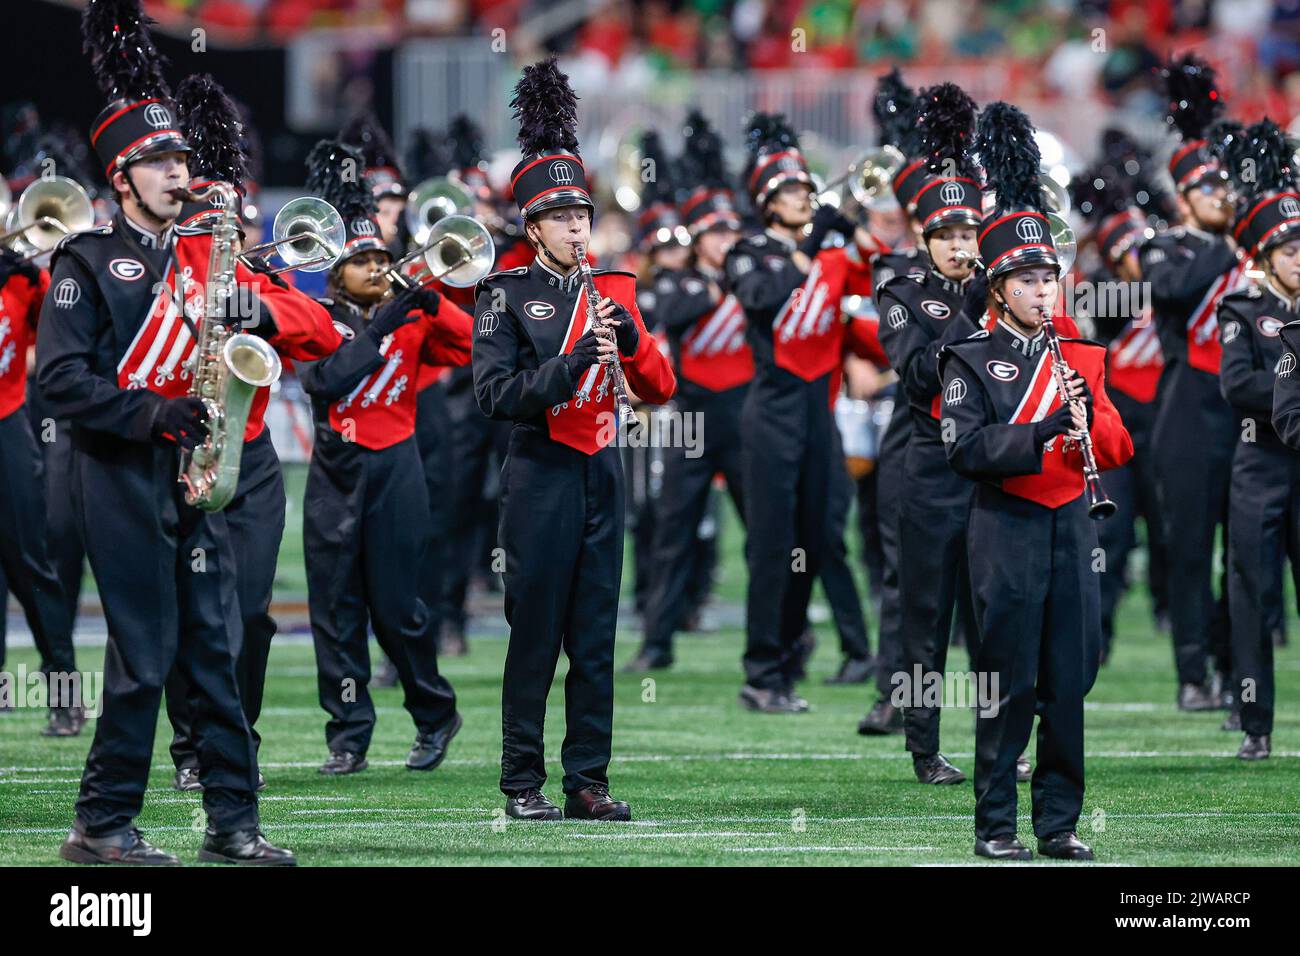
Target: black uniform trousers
{"points": [[889, 495], [65, 548], [933, 573], [1263, 530], [366, 538], [433, 438], [475, 439], [562, 530], [23, 539], [785, 471], [1193, 439], [166, 578], [255, 519], [1133, 489], [1038, 608], [836, 576], [683, 500]]}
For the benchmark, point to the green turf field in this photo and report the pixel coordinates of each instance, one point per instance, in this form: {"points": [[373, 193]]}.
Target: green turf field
{"points": [[708, 782]]}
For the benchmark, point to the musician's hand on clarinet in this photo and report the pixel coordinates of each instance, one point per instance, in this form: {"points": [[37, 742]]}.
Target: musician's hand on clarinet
{"points": [[1078, 389], [586, 353], [618, 318], [1078, 421], [1057, 423]]}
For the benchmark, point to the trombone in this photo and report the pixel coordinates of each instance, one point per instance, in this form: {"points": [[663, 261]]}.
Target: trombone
{"points": [[458, 251], [47, 210], [868, 179], [432, 201], [307, 234]]}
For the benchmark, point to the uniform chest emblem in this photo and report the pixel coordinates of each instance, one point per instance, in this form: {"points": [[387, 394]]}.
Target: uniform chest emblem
{"points": [[1003, 371], [344, 330], [536, 309], [935, 309], [1268, 325], [128, 270], [955, 393]]}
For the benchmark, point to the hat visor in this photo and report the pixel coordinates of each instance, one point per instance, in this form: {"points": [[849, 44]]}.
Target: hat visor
{"points": [[561, 197], [953, 217], [1024, 259], [163, 143]]}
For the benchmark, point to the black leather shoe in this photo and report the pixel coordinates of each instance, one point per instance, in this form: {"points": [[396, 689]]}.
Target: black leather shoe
{"points": [[64, 722], [128, 848], [803, 651], [532, 804], [1065, 846], [883, 718], [187, 780], [595, 803], [935, 769], [1005, 847], [766, 701], [1024, 769], [344, 761], [1196, 697], [385, 674], [453, 644], [1232, 721], [243, 847], [429, 749], [854, 670], [1255, 748], [261, 783], [646, 661]]}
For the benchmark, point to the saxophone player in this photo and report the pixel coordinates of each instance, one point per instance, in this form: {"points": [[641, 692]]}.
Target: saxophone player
{"points": [[1029, 542], [562, 483], [111, 352]]}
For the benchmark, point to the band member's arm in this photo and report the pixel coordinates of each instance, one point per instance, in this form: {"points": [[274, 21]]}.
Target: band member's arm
{"points": [[1286, 391], [1242, 382], [862, 337], [648, 371], [448, 338], [68, 338], [912, 353], [760, 291], [978, 446], [678, 309], [1112, 445], [299, 327], [343, 369], [504, 390], [1178, 281]]}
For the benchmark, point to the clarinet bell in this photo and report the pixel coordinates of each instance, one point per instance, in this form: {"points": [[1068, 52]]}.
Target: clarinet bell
{"points": [[628, 422], [1099, 506]]}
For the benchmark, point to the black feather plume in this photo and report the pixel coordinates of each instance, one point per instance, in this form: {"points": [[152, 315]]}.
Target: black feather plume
{"points": [[1101, 191], [1229, 143], [336, 173], [767, 133], [547, 110], [894, 108], [703, 163], [364, 132], [1194, 99], [426, 155], [1274, 172], [1010, 156], [946, 117], [1140, 173], [657, 177], [466, 141], [123, 58], [210, 122]]}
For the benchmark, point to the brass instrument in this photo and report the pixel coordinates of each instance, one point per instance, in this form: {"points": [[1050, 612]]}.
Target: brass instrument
{"points": [[868, 179], [307, 234], [432, 201], [626, 416], [1100, 505], [458, 252], [47, 210], [229, 368]]}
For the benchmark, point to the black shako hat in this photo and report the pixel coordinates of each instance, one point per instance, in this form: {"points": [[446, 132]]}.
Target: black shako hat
{"points": [[550, 173], [1017, 232]]}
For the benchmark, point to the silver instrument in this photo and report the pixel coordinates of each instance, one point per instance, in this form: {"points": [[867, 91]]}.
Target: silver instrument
{"points": [[307, 235], [626, 416]]}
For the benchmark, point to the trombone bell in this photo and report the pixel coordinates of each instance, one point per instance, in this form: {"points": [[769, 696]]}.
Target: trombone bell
{"points": [[47, 210], [307, 234], [432, 201], [459, 251]]}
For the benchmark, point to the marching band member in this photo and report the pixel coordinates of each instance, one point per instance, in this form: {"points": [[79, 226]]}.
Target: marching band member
{"points": [[918, 317], [1038, 613], [365, 528], [705, 329], [1257, 328], [562, 495], [1188, 268], [113, 352], [297, 327], [790, 290]]}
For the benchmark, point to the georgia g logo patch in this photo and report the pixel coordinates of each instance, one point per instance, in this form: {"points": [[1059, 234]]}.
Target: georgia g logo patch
{"points": [[128, 270], [1003, 371], [935, 309], [1268, 325], [536, 309]]}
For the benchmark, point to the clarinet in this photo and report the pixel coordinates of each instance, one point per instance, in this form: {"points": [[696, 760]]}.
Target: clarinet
{"points": [[626, 416], [1099, 504]]}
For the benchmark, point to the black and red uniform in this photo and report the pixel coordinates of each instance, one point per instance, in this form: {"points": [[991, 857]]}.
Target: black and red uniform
{"points": [[1194, 434], [793, 324], [114, 346], [24, 558], [1257, 328], [365, 518], [1030, 548], [561, 509], [300, 329], [705, 329]]}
